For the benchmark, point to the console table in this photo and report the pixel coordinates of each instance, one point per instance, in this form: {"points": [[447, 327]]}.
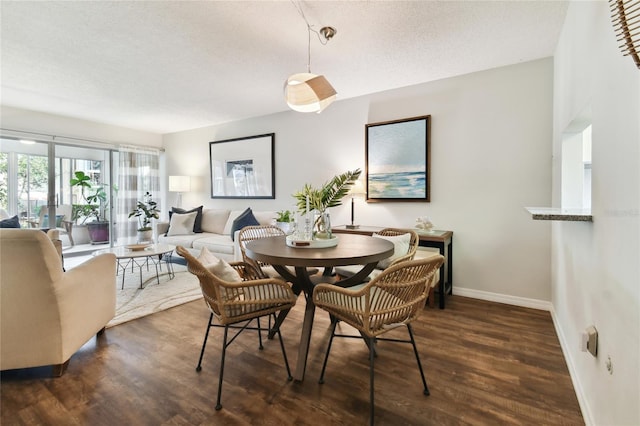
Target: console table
{"points": [[442, 240]]}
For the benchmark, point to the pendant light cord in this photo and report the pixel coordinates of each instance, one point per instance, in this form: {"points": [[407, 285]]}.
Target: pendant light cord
{"points": [[310, 29]]}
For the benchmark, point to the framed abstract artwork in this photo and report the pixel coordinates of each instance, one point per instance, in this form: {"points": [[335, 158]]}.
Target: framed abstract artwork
{"points": [[398, 160], [243, 167]]}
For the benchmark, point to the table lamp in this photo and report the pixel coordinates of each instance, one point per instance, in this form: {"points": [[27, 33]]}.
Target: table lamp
{"points": [[179, 184], [356, 190]]}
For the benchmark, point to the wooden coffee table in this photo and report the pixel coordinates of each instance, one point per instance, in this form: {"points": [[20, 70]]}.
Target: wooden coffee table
{"points": [[154, 254]]}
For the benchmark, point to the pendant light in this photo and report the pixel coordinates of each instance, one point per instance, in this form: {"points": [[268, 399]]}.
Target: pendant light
{"points": [[307, 92]]}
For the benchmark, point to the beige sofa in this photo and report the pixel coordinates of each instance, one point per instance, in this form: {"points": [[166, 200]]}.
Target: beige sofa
{"points": [[216, 235], [47, 314]]}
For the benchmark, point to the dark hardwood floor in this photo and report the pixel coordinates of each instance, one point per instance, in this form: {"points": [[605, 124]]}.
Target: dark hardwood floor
{"points": [[486, 364]]}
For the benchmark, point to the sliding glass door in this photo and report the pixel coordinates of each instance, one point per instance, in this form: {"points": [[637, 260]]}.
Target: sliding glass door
{"points": [[39, 180]]}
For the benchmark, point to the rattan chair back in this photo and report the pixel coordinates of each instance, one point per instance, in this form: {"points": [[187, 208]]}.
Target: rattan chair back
{"points": [[233, 302], [395, 297], [250, 233], [413, 241]]}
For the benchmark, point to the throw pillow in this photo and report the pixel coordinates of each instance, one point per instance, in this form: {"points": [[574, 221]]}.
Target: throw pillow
{"points": [[197, 226], [181, 224], [218, 267], [206, 258], [400, 248], [12, 222], [225, 272], [246, 218]]}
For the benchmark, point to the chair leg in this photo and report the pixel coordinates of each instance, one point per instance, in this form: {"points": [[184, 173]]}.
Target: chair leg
{"points": [[260, 334], [284, 353], [204, 344], [224, 352], [326, 356], [415, 350], [372, 356]]}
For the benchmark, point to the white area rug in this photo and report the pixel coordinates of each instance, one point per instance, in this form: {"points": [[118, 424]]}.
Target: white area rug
{"points": [[133, 302]]}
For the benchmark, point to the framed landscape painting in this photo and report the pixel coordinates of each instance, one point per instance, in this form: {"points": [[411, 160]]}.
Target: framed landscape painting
{"points": [[243, 167], [398, 160]]}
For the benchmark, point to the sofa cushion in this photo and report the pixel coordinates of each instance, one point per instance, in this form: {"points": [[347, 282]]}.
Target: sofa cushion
{"points": [[246, 218], [216, 243], [181, 224], [214, 220], [12, 222], [180, 240], [197, 225]]}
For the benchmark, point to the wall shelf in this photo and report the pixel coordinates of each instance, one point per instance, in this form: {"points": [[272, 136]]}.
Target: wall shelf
{"points": [[554, 213]]}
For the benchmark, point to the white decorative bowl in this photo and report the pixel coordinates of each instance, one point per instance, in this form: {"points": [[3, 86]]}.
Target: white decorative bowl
{"points": [[320, 243]]}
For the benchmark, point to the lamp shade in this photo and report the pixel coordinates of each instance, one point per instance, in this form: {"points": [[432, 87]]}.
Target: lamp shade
{"points": [[306, 92], [179, 183], [358, 188]]}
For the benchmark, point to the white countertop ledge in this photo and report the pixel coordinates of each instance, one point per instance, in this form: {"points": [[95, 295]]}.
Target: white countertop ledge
{"points": [[555, 213]]}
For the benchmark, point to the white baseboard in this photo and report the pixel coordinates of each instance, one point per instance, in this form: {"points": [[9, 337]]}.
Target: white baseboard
{"points": [[573, 373], [503, 298]]}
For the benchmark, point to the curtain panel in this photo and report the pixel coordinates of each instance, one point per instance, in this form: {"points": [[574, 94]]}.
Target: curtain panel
{"points": [[138, 173]]}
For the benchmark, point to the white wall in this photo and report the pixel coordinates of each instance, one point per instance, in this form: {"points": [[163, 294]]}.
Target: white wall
{"points": [[38, 122], [491, 156], [596, 266]]}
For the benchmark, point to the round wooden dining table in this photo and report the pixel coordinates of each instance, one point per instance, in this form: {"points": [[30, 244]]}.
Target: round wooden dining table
{"points": [[350, 250]]}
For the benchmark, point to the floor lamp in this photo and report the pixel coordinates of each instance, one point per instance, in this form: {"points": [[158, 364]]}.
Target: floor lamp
{"points": [[357, 190], [179, 184]]}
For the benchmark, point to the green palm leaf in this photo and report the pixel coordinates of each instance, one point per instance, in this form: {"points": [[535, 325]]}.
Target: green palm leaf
{"points": [[330, 195]]}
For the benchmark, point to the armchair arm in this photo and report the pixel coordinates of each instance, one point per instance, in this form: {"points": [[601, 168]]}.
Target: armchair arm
{"points": [[246, 271], [161, 228], [86, 300], [244, 299]]}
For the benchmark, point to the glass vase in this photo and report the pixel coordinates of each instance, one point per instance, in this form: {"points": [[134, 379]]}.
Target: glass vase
{"points": [[322, 226]]}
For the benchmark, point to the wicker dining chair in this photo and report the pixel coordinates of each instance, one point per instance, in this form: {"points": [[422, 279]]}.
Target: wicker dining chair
{"points": [[394, 298], [250, 233], [239, 302], [414, 240]]}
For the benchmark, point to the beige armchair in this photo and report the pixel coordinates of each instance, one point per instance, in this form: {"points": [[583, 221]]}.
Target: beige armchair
{"points": [[47, 314]]}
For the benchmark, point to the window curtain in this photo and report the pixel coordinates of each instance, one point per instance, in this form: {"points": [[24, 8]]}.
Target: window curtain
{"points": [[138, 173]]}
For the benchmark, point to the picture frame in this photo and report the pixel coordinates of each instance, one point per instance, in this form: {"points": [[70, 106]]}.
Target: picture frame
{"points": [[398, 160], [243, 167]]}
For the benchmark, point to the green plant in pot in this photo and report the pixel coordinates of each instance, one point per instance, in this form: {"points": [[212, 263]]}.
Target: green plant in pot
{"points": [[91, 212], [330, 194], [144, 211], [285, 220]]}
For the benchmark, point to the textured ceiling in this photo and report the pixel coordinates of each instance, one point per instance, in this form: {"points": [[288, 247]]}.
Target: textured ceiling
{"points": [[169, 66]]}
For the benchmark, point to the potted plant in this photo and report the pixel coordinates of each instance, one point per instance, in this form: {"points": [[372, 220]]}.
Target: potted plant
{"points": [[320, 199], [145, 210], [96, 201], [284, 220]]}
